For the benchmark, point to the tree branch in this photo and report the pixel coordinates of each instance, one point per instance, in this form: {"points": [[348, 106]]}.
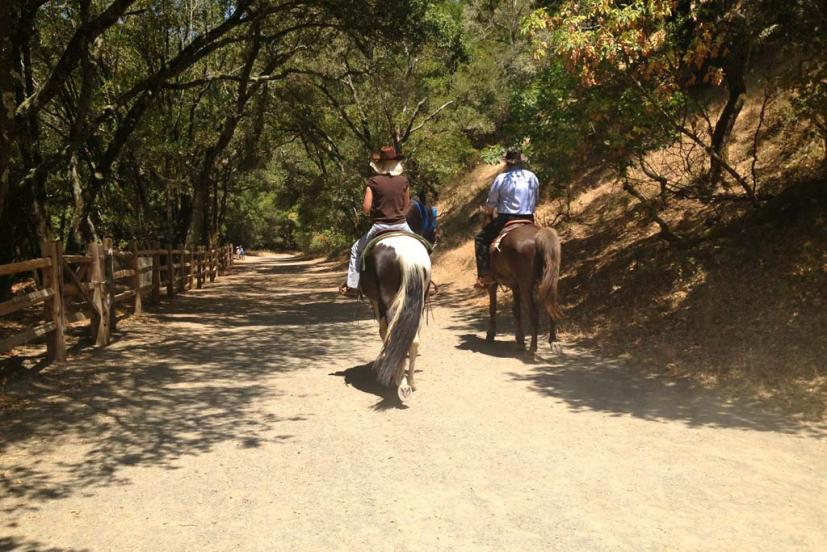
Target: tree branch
{"points": [[79, 42], [665, 232], [698, 140], [428, 118]]}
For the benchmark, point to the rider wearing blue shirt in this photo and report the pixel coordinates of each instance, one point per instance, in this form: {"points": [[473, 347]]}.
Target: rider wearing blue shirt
{"points": [[513, 195]]}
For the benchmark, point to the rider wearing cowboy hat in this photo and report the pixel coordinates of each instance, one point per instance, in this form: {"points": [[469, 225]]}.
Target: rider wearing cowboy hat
{"points": [[386, 201], [513, 195]]}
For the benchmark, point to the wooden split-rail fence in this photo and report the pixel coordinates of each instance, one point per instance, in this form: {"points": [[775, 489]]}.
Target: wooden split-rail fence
{"points": [[87, 287]]}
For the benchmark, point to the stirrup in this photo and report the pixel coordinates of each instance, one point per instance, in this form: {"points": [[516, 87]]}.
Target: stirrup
{"points": [[484, 281]]}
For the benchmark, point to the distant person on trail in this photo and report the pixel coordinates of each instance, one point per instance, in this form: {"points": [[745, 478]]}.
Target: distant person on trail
{"points": [[513, 196], [387, 199], [241, 252]]}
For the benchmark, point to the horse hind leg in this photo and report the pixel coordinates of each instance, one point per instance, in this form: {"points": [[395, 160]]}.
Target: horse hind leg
{"points": [[534, 319], [407, 385], [381, 318], [492, 313], [517, 311], [414, 351]]}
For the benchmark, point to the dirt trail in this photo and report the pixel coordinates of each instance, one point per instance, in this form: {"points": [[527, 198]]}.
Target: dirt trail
{"points": [[243, 417]]}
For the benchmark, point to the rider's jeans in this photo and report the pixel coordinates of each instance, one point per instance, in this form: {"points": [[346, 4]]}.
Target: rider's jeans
{"points": [[359, 246]]}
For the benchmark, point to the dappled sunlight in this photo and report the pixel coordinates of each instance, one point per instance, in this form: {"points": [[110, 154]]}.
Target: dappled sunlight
{"points": [[184, 378]]}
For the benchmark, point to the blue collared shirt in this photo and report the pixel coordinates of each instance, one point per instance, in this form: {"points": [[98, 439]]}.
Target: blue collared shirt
{"points": [[514, 192]]}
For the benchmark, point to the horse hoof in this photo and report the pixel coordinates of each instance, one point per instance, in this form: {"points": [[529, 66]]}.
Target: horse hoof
{"points": [[404, 391]]}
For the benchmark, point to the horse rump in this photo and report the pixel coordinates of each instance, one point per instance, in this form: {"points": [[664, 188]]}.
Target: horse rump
{"points": [[547, 250], [406, 308]]}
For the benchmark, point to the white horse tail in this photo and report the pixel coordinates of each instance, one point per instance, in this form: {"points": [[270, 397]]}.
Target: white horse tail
{"points": [[405, 312]]}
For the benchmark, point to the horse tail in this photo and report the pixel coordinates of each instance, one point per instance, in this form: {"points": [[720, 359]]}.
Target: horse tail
{"points": [[547, 247], [407, 307]]}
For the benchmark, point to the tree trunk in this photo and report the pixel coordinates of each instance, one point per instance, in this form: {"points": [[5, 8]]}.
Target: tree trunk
{"points": [[7, 104], [200, 224], [723, 127], [735, 67]]}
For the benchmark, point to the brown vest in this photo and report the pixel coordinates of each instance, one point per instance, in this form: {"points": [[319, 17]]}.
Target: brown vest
{"points": [[388, 198]]}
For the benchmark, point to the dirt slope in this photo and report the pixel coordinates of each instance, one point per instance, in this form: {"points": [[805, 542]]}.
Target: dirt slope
{"points": [[244, 417], [744, 311]]}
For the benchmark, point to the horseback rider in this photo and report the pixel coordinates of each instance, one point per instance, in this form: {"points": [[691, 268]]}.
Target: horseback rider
{"points": [[513, 196], [387, 199]]}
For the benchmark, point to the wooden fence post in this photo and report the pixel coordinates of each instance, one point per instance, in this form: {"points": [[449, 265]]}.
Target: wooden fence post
{"points": [[170, 272], [53, 309], [190, 268], [199, 273], [100, 318], [109, 266], [136, 279], [156, 272], [213, 267], [180, 277]]}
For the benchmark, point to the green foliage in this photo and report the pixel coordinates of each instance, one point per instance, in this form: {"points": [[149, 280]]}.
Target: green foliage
{"points": [[493, 154], [255, 121]]}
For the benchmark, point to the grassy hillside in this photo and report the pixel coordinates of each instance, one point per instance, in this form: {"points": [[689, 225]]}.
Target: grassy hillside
{"points": [[742, 309]]}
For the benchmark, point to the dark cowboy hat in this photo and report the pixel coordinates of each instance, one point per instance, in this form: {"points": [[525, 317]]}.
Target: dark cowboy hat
{"points": [[386, 153], [514, 156]]}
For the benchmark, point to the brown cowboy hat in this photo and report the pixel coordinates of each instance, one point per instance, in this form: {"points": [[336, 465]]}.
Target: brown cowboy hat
{"points": [[387, 161], [386, 153], [514, 156]]}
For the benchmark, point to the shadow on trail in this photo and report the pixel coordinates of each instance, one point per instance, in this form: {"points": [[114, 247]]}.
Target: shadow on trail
{"points": [[586, 381], [363, 378], [193, 374], [21, 545], [498, 348]]}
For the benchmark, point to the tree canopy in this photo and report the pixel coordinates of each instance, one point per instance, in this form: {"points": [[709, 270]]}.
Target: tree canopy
{"points": [[198, 121]]}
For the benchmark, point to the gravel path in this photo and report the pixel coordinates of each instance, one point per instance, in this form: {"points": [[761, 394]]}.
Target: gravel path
{"points": [[243, 417]]}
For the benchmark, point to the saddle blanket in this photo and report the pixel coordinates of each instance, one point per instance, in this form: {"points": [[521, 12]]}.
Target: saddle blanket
{"points": [[509, 226], [393, 233]]}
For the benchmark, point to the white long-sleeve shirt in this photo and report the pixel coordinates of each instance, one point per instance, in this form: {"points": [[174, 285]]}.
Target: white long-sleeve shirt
{"points": [[514, 192]]}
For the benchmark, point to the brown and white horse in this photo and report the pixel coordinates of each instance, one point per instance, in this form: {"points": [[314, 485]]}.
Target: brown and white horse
{"points": [[396, 277]]}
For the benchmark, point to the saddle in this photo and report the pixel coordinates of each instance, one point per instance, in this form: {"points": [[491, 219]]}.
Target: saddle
{"points": [[509, 226], [390, 234]]}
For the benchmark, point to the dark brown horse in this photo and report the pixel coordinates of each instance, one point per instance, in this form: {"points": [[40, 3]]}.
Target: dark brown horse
{"points": [[395, 278], [528, 262]]}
